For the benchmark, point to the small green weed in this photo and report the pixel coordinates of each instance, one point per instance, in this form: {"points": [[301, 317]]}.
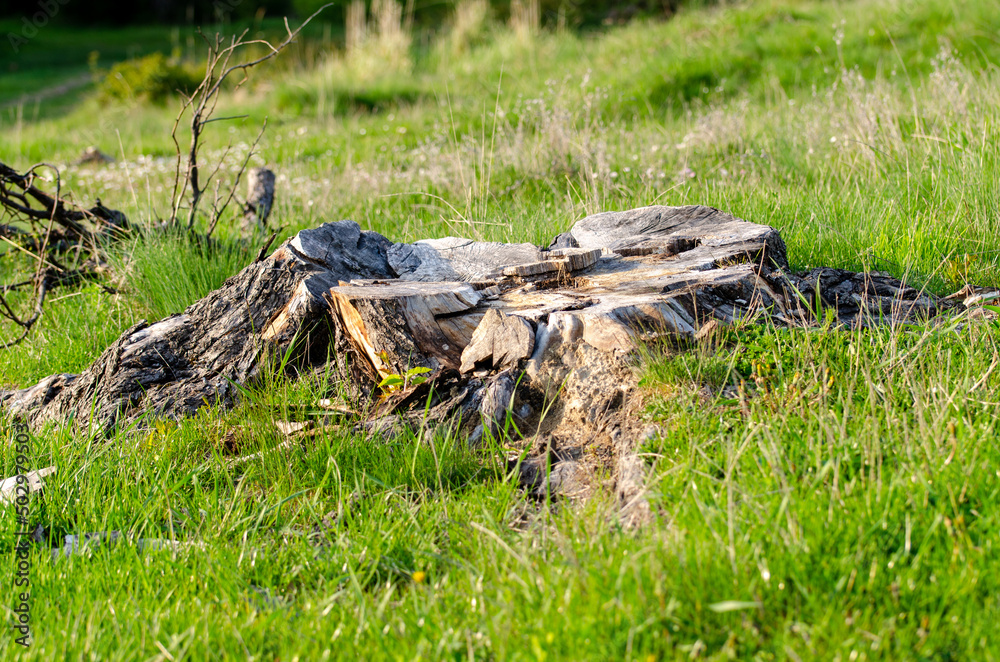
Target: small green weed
{"points": [[412, 377]]}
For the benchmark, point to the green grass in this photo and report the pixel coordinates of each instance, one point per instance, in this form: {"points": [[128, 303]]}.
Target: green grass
{"points": [[75, 328], [849, 495], [168, 273], [849, 508], [60, 54], [818, 494]]}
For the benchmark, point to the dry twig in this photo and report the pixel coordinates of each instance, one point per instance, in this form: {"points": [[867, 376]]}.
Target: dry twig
{"points": [[47, 227], [203, 102]]}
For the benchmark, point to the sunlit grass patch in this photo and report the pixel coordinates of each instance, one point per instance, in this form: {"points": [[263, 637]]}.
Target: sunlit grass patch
{"points": [[818, 493]]}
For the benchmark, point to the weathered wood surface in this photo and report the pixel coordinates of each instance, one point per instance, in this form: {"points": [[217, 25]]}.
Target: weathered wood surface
{"points": [[395, 324], [260, 199], [499, 341], [177, 365], [516, 337], [23, 484]]}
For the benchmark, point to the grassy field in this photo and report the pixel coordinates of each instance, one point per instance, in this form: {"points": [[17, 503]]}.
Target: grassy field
{"points": [[842, 506]]}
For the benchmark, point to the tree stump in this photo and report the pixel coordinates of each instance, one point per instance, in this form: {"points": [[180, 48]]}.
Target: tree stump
{"points": [[260, 199], [520, 341]]}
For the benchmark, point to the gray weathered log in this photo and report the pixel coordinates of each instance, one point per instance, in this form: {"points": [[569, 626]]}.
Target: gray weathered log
{"points": [[181, 363], [542, 338], [457, 259]]}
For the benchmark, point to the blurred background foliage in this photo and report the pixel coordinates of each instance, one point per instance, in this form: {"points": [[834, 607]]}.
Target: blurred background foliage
{"points": [[570, 13]]}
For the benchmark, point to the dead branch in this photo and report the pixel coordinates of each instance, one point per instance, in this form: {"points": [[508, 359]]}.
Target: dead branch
{"points": [[56, 227], [217, 210], [21, 198], [219, 66], [46, 226]]}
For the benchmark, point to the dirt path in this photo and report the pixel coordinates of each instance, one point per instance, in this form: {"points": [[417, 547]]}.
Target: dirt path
{"points": [[50, 92]]}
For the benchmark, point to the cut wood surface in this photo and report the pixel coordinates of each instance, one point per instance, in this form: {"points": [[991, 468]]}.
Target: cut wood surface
{"points": [[506, 330]]}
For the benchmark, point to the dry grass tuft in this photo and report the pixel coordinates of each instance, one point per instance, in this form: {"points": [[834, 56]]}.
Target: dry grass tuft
{"points": [[525, 18], [469, 27], [377, 44]]}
